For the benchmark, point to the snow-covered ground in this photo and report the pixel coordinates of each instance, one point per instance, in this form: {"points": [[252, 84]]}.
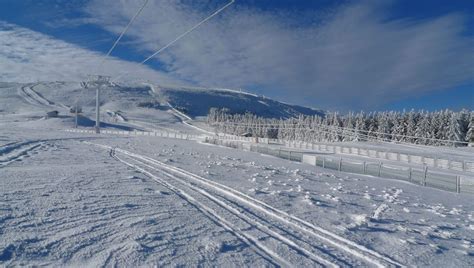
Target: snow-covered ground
{"points": [[70, 199]]}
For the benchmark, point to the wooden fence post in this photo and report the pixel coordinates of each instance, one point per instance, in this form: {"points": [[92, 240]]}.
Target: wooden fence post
{"points": [[458, 184], [340, 164], [380, 168], [424, 176]]}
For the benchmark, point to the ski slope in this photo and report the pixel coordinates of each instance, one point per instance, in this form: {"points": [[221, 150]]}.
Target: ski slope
{"points": [[146, 106]]}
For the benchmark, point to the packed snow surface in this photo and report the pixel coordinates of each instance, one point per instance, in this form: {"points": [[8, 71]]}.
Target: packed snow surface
{"points": [[71, 199]]}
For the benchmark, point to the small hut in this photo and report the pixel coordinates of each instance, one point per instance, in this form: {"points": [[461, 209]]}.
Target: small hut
{"points": [[52, 114], [74, 108]]}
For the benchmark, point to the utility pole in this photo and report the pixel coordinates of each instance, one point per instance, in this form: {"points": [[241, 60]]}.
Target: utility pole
{"points": [[76, 112], [97, 112]]}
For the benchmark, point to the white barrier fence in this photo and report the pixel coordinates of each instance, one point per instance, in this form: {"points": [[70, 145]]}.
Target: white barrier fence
{"points": [[164, 134], [458, 165], [241, 138], [421, 176], [453, 164]]}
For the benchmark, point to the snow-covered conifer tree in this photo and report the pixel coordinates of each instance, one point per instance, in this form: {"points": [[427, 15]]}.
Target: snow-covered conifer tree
{"points": [[470, 130], [454, 129], [360, 127], [410, 126], [398, 128], [347, 133], [423, 129], [384, 126]]}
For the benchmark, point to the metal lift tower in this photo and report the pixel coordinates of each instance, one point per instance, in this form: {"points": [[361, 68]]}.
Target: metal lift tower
{"points": [[97, 82], [101, 80]]}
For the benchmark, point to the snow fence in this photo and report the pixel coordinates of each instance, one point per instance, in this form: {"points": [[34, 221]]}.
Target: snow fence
{"points": [[452, 164], [163, 134], [422, 176]]}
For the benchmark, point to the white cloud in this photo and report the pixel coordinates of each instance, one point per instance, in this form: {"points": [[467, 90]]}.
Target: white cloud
{"points": [[357, 58], [27, 56]]}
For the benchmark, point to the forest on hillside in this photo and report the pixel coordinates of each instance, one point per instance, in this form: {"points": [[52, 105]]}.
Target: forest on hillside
{"points": [[444, 127]]}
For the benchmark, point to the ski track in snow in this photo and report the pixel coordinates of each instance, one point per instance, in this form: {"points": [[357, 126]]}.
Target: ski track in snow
{"points": [[16, 151], [33, 97], [74, 220], [186, 119], [250, 240], [283, 228]]}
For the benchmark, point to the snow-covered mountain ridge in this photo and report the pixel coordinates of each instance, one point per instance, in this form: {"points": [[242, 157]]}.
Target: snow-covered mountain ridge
{"points": [[146, 98], [197, 102]]}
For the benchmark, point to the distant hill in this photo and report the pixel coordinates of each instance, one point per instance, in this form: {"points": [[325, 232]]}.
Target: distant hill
{"points": [[197, 102], [140, 100]]}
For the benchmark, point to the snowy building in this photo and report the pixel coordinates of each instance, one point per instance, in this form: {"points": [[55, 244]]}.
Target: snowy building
{"points": [[73, 109], [52, 114]]}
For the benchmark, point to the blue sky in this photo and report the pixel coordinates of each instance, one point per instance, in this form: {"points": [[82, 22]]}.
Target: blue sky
{"points": [[335, 55]]}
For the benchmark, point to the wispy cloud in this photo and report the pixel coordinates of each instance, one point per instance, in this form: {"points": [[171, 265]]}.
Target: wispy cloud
{"points": [[27, 56], [356, 57]]}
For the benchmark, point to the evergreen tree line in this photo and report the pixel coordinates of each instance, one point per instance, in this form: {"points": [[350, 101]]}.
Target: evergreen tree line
{"points": [[429, 128]]}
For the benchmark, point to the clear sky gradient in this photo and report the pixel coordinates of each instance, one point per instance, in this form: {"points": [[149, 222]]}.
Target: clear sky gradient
{"points": [[329, 54]]}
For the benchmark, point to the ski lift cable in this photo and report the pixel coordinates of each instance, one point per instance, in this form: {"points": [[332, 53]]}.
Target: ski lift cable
{"points": [[123, 32], [181, 35], [115, 44]]}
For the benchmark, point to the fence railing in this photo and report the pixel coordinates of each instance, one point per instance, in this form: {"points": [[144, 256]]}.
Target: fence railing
{"points": [[458, 165], [453, 164], [421, 176], [164, 134]]}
